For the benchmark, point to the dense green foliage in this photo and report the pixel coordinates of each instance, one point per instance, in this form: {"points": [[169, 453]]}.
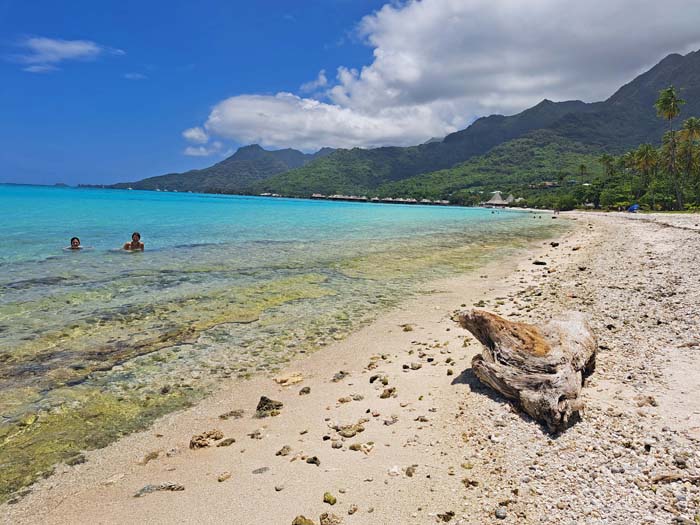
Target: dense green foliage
{"points": [[539, 162]]}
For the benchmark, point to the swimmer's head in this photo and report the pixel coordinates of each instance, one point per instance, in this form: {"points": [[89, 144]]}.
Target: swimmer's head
{"points": [[136, 236], [74, 242]]}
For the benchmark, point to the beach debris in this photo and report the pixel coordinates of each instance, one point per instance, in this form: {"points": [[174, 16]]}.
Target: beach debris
{"points": [[388, 422], [227, 442], [366, 448], [235, 414], [388, 392], [305, 391], [330, 519], [302, 520], [167, 486], [348, 431], [644, 401], [339, 376], [313, 460], [223, 476], [149, 457], [446, 516], [284, 451], [394, 471], [352, 510], [291, 379], [268, 407], [410, 470], [257, 434], [261, 470], [329, 498], [542, 368], [202, 440]]}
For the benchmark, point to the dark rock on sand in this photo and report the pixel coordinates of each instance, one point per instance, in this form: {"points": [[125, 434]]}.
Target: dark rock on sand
{"points": [[313, 460], [235, 414], [227, 442], [329, 498], [261, 470], [167, 486], [339, 376], [305, 391], [267, 407], [539, 263], [446, 516], [388, 392], [284, 451], [302, 520]]}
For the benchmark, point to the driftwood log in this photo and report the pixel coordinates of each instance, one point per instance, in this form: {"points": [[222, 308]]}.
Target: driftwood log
{"points": [[542, 368]]}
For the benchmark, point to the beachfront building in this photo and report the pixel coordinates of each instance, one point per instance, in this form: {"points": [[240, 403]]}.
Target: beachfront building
{"points": [[497, 200]]}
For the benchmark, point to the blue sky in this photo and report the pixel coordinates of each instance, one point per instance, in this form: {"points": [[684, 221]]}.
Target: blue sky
{"points": [[86, 122], [107, 91]]}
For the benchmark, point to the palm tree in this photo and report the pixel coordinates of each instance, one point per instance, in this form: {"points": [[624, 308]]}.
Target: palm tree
{"points": [[689, 136], [582, 170], [646, 159], [668, 107], [608, 162]]}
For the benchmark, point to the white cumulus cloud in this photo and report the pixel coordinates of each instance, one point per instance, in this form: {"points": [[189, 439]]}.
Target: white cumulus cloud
{"points": [[319, 82], [438, 64], [42, 54], [204, 151], [196, 135]]}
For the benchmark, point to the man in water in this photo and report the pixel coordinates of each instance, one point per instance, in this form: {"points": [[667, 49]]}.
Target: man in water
{"points": [[75, 244], [135, 245]]}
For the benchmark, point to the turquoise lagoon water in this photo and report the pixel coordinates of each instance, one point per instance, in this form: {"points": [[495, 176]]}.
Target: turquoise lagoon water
{"points": [[228, 286]]}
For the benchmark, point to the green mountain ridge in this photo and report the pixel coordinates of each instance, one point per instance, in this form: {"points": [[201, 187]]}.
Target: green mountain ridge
{"points": [[234, 174], [467, 160]]}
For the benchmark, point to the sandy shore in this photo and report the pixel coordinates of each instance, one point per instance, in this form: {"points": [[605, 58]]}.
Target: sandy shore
{"points": [[441, 447]]}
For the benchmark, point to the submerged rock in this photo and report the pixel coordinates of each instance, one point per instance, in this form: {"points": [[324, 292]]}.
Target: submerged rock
{"points": [[268, 407], [78, 459]]}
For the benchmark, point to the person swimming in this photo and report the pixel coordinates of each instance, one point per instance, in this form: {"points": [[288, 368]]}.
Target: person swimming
{"points": [[74, 244], [135, 245]]}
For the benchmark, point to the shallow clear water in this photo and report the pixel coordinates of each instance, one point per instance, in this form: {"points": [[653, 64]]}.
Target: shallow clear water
{"points": [[227, 286]]}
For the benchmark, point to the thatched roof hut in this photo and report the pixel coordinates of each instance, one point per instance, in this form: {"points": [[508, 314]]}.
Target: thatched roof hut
{"points": [[496, 200]]}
